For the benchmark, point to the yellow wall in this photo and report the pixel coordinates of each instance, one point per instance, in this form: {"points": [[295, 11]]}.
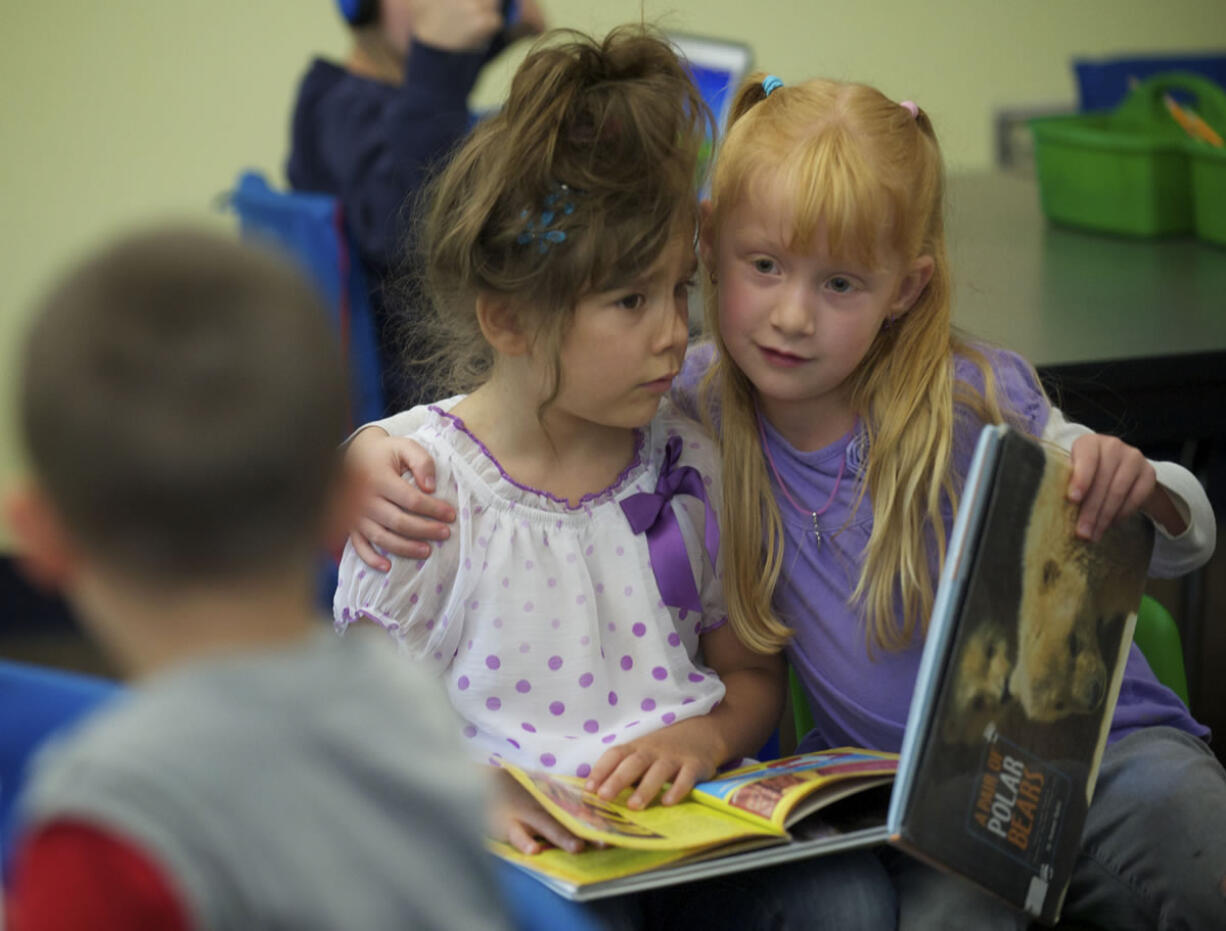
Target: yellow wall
{"points": [[120, 111]]}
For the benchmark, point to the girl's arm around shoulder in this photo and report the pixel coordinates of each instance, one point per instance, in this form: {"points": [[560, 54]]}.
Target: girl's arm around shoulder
{"points": [[1172, 497], [400, 514], [419, 601]]}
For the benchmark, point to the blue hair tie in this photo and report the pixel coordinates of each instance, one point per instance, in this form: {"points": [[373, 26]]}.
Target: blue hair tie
{"points": [[771, 83], [540, 230]]}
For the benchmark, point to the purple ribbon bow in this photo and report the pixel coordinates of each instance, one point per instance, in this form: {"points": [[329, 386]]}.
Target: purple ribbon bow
{"points": [[650, 512]]}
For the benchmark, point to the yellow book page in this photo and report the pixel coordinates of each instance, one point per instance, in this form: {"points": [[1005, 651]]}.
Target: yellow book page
{"points": [[591, 865], [657, 827], [781, 791]]}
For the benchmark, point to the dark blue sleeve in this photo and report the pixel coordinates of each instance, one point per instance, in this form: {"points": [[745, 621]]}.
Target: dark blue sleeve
{"points": [[381, 147]]}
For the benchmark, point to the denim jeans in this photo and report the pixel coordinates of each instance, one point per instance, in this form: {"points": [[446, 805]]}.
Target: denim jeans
{"points": [[1153, 850]]}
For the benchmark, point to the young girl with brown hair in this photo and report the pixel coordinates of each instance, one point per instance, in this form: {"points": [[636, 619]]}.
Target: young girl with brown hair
{"points": [[575, 614]]}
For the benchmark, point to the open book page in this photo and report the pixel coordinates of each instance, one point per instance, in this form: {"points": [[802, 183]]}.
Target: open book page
{"points": [[780, 792], [683, 826], [590, 865]]}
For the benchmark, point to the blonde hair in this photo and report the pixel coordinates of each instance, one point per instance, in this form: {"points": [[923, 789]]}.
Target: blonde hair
{"points": [[611, 128], [858, 163]]}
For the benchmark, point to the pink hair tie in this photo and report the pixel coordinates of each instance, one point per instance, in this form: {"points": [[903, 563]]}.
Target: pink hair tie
{"points": [[911, 107]]}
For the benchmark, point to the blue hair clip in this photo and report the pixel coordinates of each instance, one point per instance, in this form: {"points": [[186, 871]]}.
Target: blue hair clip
{"points": [[538, 230], [771, 83]]}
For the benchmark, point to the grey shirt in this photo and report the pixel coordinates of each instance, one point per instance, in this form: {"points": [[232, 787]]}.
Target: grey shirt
{"points": [[320, 786]]}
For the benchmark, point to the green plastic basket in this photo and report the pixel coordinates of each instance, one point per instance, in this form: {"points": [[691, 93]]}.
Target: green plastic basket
{"points": [[1133, 170]]}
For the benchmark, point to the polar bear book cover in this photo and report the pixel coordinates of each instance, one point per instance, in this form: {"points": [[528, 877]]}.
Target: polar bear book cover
{"points": [[1043, 630]]}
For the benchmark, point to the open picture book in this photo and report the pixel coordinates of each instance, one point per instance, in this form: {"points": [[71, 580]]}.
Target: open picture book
{"points": [[1021, 668]]}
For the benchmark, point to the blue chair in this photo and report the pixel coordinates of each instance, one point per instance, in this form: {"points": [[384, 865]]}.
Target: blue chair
{"points": [[311, 229], [36, 703]]}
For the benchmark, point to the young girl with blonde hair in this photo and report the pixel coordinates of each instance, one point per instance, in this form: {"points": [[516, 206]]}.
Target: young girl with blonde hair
{"points": [[848, 410], [575, 615]]}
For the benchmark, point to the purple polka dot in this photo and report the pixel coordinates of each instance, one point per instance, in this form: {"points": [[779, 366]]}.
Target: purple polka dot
{"points": [[639, 629], [528, 565], [591, 725], [556, 708], [589, 551], [482, 541], [612, 626], [473, 606], [659, 672], [438, 654], [528, 605], [492, 661], [470, 644], [629, 590], [525, 647], [682, 614], [523, 686], [698, 627], [585, 680], [506, 583], [470, 731], [674, 640], [468, 563], [627, 662], [514, 743], [582, 599], [553, 583], [461, 683], [697, 677], [528, 727], [600, 588], [608, 738], [648, 704], [438, 589], [362, 574], [632, 724], [555, 623], [620, 551], [548, 759], [412, 599], [612, 698], [498, 622], [493, 703], [583, 771], [570, 557], [584, 640], [555, 662], [668, 717], [687, 701], [430, 624]]}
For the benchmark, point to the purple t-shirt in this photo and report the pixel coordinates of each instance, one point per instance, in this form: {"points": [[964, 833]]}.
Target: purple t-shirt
{"points": [[860, 696]]}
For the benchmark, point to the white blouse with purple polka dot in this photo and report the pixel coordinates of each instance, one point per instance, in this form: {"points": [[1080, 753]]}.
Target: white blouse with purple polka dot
{"points": [[545, 620]]}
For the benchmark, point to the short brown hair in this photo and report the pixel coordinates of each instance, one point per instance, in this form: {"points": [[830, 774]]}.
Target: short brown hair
{"points": [[181, 399], [612, 128]]}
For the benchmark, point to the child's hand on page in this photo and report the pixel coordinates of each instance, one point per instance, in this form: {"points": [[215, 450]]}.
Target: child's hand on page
{"points": [[398, 516], [683, 753], [517, 818], [1113, 480]]}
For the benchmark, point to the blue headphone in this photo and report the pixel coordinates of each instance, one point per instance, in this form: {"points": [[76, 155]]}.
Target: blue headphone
{"points": [[359, 12]]}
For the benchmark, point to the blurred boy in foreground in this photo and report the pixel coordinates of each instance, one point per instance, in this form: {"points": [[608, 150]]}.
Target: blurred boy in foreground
{"points": [[181, 401]]}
